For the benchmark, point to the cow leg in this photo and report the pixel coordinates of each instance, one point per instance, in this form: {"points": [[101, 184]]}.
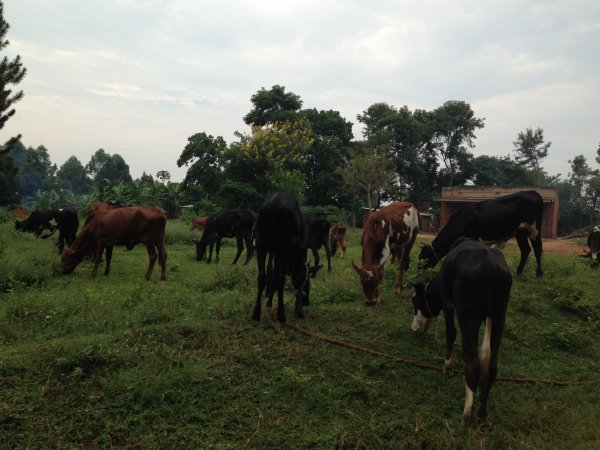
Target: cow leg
{"points": [[61, 242], [109, 251], [400, 277], [152, 256], [162, 260], [468, 331], [328, 255], [218, 244], [261, 281], [210, 250], [270, 281], [240, 248], [334, 244], [299, 281], [249, 248], [279, 284], [450, 338], [98, 256], [315, 253], [343, 247], [521, 236], [537, 250]]}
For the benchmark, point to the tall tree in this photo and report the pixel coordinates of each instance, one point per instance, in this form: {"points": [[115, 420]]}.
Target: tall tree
{"points": [[108, 169], [8, 181], [274, 105], [453, 131], [203, 155], [530, 149], [579, 178], [36, 171], [73, 177], [370, 172], [11, 72]]}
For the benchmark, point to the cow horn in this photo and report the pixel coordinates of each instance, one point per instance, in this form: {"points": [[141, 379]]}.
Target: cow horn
{"points": [[357, 268]]}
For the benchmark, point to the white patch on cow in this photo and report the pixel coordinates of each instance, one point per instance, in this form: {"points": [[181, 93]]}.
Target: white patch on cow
{"points": [[533, 231], [469, 395], [382, 223], [597, 228], [485, 350], [385, 253], [369, 273], [52, 222], [411, 220], [595, 256], [420, 322]]}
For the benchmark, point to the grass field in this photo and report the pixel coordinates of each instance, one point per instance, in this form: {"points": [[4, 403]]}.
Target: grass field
{"points": [[121, 362]]}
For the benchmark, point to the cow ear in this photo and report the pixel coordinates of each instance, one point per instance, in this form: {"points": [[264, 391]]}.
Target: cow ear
{"points": [[357, 268]]}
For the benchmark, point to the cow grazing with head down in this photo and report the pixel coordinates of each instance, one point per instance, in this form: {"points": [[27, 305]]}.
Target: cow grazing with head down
{"points": [[227, 223], [199, 222], [593, 243], [119, 226], [474, 282], [318, 236], [390, 231], [281, 235], [63, 220], [337, 239], [494, 220]]}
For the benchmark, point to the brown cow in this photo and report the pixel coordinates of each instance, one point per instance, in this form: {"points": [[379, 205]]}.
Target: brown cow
{"points": [[337, 238], [121, 226], [199, 222], [390, 231]]}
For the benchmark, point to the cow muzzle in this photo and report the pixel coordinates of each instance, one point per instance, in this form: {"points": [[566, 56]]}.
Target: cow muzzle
{"points": [[420, 323]]}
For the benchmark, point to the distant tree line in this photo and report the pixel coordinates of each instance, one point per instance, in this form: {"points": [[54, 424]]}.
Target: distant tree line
{"points": [[404, 155]]}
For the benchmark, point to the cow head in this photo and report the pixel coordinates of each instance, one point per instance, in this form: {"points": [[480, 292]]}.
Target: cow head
{"points": [[370, 279], [428, 254], [18, 224], [423, 309], [70, 259], [312, 270]]}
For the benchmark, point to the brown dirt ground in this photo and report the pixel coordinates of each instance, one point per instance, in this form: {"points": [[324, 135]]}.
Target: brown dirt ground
{"points": [[557, 246]]}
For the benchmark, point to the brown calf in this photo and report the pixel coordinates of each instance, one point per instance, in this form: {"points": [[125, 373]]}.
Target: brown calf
{"points": [[199, 222], [121, 226], [337, 239], [390, 231]]}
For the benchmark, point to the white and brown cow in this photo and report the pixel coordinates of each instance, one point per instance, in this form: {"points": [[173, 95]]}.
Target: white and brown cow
{"points": [[390, 231]]}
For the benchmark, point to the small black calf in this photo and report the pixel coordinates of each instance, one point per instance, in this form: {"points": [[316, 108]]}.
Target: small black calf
{"points": [[474, 281], [318, 236]]}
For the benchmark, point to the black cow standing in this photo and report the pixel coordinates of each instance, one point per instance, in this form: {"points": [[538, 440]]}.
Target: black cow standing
{"points": [[499, 219], [281, 234], [227, 223], [474, 281], [65, 221], [318, 236]]}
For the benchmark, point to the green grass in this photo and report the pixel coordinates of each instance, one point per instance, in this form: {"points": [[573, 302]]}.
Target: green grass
{"points": [[121, 362]]}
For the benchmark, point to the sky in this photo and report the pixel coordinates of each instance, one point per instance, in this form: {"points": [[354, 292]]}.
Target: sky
{"points": [[138, 77]]}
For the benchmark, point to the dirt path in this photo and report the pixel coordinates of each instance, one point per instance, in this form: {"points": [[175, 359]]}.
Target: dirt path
{"points": [[559, 246]]}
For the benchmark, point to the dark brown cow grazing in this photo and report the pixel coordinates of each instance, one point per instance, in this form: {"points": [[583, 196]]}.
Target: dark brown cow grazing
{"points": [[390, 231], [337, 239], [199, 222], [120, 226]]}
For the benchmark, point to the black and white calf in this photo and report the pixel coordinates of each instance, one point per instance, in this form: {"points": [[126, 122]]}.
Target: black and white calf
{"points": [[281, 235], [593, 243], [474, 282]]}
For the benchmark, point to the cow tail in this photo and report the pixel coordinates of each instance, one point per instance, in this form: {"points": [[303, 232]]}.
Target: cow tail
{"points": [[485, 353]]}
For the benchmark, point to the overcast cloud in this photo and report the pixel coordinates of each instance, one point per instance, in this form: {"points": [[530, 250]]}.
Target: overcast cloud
{"points": [[138, 77]]}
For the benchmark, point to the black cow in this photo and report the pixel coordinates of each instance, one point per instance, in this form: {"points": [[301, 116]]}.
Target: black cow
{"points": [[281, 233], [593, 243], [227, 223], [474, 281], [63, 220], [495, 220], [318, 236]]}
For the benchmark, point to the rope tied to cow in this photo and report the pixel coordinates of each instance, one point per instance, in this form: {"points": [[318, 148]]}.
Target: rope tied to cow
{"points": [[421, 365]]}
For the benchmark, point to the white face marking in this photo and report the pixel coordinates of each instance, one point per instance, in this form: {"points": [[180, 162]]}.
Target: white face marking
{"points": [[369, 273], [485, 350], [420, 322], [533, 231], [52, 222], [468, 403]]}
